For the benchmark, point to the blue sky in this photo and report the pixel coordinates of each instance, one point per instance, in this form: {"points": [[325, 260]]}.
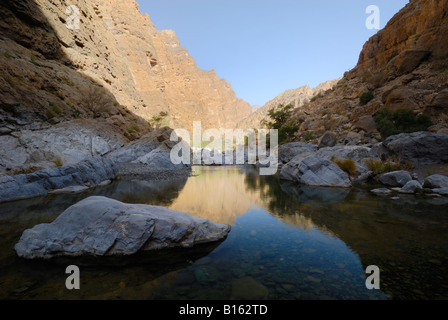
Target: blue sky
{"points": [[264, 47]]}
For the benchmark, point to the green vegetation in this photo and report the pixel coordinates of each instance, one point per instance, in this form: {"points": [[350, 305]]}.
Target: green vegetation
{"points": [[281, 120], [348, 166], [159, 120], [401, 121], [308, 136], [365, 98]]}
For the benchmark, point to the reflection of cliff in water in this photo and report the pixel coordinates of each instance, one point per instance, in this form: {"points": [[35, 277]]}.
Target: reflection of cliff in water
{"points": [[216, 194], [405, 238]]}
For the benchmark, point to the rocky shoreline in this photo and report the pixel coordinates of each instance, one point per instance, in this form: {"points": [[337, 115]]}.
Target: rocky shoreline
{"points": [[398, 164]]}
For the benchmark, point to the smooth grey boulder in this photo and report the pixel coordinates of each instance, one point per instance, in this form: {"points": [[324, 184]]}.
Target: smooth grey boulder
{"points": [[359, 154], [412, 186], [99, 226], [159, 158], [396, 178], [153, 149], [436, 181], [143, 146], [421, 148], [88, 173], [70, 142], [289, 151], [314, 171]]}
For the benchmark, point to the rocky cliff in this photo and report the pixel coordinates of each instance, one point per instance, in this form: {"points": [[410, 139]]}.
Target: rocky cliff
{"points": [[104, 79], [403, 66]]}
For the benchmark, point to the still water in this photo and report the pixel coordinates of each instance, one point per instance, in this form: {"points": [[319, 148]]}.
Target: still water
{"points": [[287, 242]]}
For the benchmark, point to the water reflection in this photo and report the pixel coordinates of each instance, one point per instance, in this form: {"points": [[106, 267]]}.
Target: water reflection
{"points": [[287, 242]]}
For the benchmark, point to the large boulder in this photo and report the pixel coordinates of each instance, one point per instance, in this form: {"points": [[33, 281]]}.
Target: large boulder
{"points": [[313, 171], [289, 151], [396, 178], [329, 139], [68, 143], [421, 148], [99, 226], [412, 186], [436, 181], [159, 158], [359, 154], [89, 173], [366, 123], [153, 149], [143, 146]]}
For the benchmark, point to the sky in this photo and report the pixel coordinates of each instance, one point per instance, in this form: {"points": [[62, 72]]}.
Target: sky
{"points": [[265, 47]]}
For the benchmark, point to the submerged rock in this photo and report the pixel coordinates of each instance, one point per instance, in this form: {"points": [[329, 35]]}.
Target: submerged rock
{"points": [[248, 289], [99, 226]]}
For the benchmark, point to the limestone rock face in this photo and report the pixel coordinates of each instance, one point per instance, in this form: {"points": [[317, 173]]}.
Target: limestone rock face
{"points": [[153, 149], [110, 75], [422, 148], [404, 65], [67, 143], [406, 39], [314, 171], [87, 173], [289, 151], [147, 70], [99, 226]]}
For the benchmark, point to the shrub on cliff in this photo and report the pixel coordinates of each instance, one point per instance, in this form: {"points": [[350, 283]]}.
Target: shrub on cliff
{"points": [[280, 119], [401, 121], [365, 98]]}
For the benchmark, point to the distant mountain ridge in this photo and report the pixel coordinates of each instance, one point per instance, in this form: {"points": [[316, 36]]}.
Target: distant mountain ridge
{"points": [[297, 97]]}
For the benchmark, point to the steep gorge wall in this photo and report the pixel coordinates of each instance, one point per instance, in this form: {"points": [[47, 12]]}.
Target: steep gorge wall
{"points": [[146, 70], [404, 66], [103, 81]]}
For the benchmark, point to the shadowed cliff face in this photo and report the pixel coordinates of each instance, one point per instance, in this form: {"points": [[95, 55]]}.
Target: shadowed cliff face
{"points": [[98, 84], [116, 47], [41, 83]]}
